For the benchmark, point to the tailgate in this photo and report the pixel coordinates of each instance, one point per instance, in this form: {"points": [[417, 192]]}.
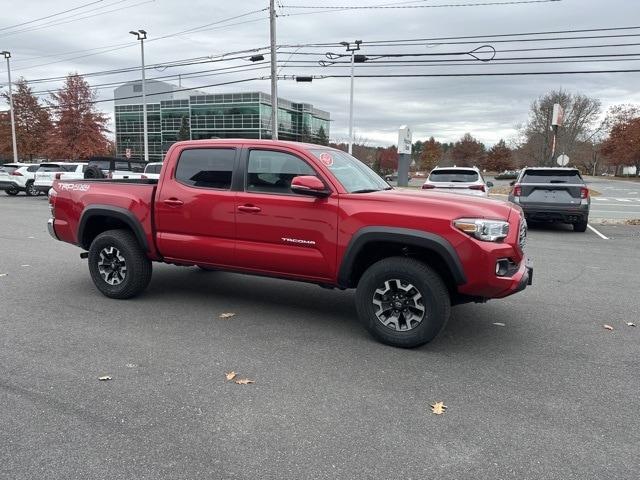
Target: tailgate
{"points": [[551, 194], [45, 178]]}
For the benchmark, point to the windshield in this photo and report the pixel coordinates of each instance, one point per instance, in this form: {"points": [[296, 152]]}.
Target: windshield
{"points": [[354, 175], [551, 176], [453, 176]]}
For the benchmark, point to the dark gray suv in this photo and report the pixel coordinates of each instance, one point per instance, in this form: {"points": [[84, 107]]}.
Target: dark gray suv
{"points": [[552, 195]]}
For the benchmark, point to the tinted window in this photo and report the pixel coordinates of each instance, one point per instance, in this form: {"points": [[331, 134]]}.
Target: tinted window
{"points": [[453, 176], [354, 175], [50, 167], [551, 176], [122, 166], [69, 167], [272, 172], [153, 169], [137, 167], [33, 168], [101, 164], [206, 167]]}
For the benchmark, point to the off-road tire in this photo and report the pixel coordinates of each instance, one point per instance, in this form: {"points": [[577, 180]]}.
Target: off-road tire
{"points": [[138, 266], [30, 190], [580, 227], [93, 172], [435, 299]]}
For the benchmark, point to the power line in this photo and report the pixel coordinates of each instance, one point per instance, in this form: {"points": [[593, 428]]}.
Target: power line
{"points": [[488, 74]]}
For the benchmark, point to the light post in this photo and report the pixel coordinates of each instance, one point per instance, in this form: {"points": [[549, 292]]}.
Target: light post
{"points": [[142, 36], [7, 55], [352, 48], [274, 73]]}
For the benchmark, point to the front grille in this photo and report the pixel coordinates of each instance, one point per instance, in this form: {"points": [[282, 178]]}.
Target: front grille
{"points": [[522, 235]]}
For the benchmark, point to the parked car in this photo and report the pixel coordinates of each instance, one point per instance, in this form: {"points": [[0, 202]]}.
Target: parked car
{"points": [[152, 170], [394, 177], [18, 177], [48, 171], [554, 194], [467, 180], [507, 175], [113, 167], [300, 212]]}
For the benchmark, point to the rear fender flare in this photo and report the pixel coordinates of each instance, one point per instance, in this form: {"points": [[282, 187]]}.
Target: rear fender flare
{"points": [[117, 213]]}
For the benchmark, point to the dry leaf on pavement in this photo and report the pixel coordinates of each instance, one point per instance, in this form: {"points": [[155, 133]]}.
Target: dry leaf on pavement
{"points": [[230, 375], [244, 381], [227, 315], [438, 408], [499, 324], [104, 378], [607, 327], [631, 324]]}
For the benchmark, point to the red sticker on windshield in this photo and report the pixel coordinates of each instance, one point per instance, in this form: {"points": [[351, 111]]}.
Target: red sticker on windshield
{"points": [[326, 159]]}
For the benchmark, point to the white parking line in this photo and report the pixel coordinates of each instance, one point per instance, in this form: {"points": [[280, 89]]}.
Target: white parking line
{"points": [[597, 232]]}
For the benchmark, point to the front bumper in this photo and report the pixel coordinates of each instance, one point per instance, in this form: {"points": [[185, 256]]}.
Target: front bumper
{"points": [[51, 228]]}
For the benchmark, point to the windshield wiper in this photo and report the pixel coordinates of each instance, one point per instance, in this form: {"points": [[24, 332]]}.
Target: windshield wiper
{"points": [[367, 190]]}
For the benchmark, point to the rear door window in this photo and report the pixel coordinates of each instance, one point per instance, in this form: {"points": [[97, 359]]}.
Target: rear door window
{"points": [[122, 166], [552, 176], [206, 167], [137, 167], [454, 176]]}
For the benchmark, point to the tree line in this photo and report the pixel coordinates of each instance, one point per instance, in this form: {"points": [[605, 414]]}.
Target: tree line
{"points": [[66, 125]]}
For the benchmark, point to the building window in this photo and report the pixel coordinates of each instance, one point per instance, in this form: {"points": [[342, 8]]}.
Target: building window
{"points": [[206, 167]]}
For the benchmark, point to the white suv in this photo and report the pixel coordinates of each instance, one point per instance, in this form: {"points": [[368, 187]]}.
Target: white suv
{"points": [[467, 180], [18, 177], [47, 172]]}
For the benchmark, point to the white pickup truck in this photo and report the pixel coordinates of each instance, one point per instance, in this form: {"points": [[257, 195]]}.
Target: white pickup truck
{"points": [[47, 172]]}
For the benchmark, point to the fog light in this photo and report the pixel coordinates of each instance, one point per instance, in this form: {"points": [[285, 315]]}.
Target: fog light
{"points": [[502, 267]]}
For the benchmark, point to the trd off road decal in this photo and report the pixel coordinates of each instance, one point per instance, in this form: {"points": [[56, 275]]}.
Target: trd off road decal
{"points": [[74, 187]]}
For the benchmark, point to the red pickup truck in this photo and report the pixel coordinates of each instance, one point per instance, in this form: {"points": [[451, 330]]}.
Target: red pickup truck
{"points": [[301, 212]]}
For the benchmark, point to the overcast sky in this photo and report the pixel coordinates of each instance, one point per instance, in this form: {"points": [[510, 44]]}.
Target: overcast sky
{"points": [[489, 108]]}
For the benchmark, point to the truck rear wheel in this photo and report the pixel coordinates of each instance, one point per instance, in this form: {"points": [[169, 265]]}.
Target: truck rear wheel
{"points": [[119, 267], [402, 302]]}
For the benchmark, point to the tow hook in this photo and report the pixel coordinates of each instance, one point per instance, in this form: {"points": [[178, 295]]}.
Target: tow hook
{"points": [[84, 255]]}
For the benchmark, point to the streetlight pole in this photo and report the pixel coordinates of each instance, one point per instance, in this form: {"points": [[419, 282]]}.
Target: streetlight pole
{"points": [[142, 36], [351, 48], [274, 73], [7, 55]]}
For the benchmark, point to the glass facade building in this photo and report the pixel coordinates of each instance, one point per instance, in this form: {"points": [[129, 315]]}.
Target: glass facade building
{"points": [[225, 115]]}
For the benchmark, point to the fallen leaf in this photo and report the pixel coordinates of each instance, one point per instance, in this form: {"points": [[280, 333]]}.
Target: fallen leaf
{"points": [[104, 378], [499, 324], [631, 324], [438, 408], [227, 315], [230, 375], [607, 327], [244, 381]]}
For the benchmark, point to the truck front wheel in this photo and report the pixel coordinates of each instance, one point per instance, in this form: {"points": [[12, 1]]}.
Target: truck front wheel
{"points": [[402, 302], [119, 267]]}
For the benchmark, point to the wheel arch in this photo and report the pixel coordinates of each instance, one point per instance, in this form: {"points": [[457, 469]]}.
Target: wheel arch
{"points": [[371, 244], [96, 219]]}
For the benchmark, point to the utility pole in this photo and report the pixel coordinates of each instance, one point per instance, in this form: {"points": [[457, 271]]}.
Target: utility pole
{"points": [[7, 55], [351, 48], [142, 36], [274, 73]]}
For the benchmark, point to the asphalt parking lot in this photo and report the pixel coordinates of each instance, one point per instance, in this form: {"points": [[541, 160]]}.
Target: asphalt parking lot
{"points": [[536, 388]]}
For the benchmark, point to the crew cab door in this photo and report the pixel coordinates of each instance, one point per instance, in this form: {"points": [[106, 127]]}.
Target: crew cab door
{"points": [[195, 207], [278, 231]]}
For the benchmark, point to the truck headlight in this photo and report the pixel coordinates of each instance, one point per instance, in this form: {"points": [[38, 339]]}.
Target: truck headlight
{"points": [[483, 229]]}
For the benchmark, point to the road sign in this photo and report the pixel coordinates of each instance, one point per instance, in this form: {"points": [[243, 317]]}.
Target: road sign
{"points": [[563, 160], [404, 140], [127, 153]]}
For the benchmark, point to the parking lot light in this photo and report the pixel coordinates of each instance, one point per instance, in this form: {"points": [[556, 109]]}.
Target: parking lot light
{"points": [[7, 56]]}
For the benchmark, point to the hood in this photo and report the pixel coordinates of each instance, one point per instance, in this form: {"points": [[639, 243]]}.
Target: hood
{"points": [[455, 205]]}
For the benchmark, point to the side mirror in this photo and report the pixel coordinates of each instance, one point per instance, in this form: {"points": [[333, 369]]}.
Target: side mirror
{"points": [[490, 184], [512, 183], [309, 185]]}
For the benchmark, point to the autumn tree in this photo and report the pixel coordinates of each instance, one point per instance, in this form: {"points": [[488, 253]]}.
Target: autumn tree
{"points": [[580, 116], [431, 154], [622, 145], [184, 133], [79, 128], [32, 120], [499, 157], [387, 159], [468, 151]]}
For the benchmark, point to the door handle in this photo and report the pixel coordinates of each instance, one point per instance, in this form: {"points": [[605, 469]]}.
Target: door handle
{"points": [[173, 202], [249, 209]]}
